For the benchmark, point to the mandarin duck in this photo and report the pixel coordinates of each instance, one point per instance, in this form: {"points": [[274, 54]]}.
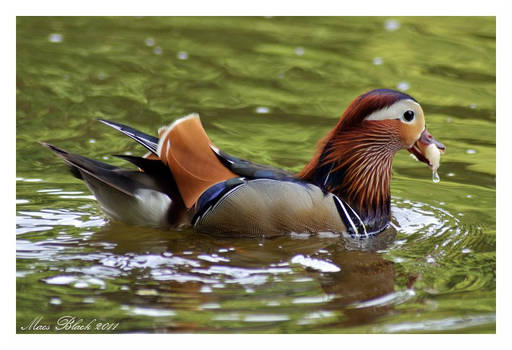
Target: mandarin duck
{"points": [[185, 180]]}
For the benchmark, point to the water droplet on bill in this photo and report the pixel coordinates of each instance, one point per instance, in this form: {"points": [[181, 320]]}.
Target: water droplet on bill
{"points": [[435, 177]]}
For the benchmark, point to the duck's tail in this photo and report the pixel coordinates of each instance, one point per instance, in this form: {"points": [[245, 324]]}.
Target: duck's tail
{"points": [[182, 154], [145, 198]]}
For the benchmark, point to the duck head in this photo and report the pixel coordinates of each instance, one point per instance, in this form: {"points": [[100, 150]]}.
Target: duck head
{"points": [[354, 159], [405, 118]]}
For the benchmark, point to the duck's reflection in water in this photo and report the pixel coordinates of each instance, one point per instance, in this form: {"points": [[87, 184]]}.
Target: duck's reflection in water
{"points": [[226, 279], [365, 276]]}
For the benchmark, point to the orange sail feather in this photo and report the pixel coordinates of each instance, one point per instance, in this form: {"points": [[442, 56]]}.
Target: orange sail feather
{"points": [[185, 148]]}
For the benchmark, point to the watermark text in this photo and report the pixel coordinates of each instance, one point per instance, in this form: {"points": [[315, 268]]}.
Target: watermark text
{"points": [[69, 323]]}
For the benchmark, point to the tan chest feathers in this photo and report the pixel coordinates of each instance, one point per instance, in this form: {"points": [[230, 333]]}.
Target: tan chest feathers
{"points": [[267, 207]]}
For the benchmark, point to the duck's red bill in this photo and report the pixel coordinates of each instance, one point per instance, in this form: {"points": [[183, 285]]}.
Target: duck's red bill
{"points": [[419, 148]]}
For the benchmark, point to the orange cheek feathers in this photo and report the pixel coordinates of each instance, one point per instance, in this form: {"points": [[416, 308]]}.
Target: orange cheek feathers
{"points": [[409, 133]]}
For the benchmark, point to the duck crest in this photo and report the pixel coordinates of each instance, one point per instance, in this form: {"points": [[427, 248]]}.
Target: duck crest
{"points": [[367, 103]]}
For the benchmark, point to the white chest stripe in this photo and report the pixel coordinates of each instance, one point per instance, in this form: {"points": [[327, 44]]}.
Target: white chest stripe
{"points": [[347, 216], [361, 221], [349, 219]]}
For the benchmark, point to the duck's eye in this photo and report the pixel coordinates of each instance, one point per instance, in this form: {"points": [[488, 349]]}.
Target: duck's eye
{"points": [[409, 115]]}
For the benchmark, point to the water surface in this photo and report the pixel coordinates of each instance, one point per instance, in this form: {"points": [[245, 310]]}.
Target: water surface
{"points": [[266, 89]]}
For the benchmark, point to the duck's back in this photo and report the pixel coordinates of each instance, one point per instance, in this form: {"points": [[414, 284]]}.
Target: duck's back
{"points": [[267, 207]]}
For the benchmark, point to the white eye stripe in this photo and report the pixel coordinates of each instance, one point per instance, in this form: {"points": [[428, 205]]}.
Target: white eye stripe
{"points": [[395, 111]]}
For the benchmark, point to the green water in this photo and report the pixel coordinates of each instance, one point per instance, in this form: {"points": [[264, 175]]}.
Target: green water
{"points": [[266, 89]]}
